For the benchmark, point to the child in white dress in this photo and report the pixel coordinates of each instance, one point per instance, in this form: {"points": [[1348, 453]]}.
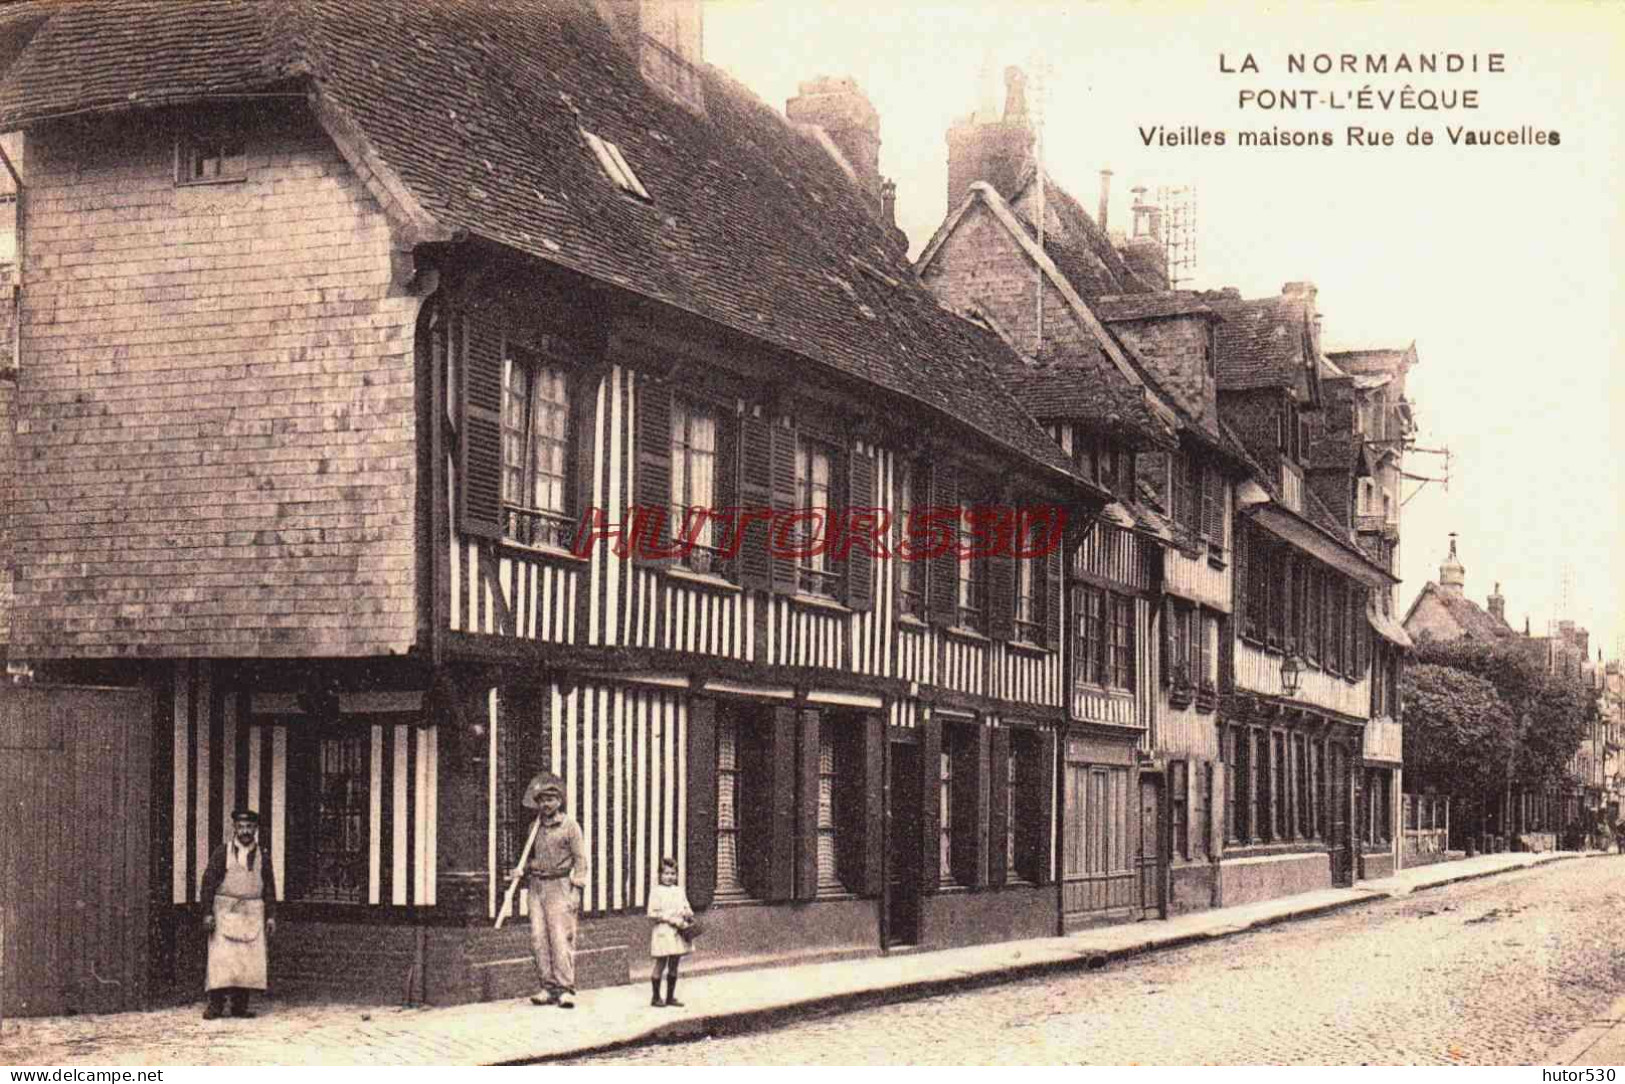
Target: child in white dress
{"points": [[671, 915]]}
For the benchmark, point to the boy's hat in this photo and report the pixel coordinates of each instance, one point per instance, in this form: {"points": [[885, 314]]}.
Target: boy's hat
{"points": [[541, 783]]}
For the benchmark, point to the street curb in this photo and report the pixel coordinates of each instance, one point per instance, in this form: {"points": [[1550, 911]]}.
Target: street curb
{"points": [[752, 1020]]}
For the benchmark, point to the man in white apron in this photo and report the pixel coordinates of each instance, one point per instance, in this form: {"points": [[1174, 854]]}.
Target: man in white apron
{"points": [[239, 899]]}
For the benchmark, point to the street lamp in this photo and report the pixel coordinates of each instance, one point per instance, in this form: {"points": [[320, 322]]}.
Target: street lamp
{"points": [[1290, 672]]}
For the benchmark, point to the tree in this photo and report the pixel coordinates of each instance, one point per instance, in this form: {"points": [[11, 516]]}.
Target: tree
{"points": [[1558, 709], [1458, 731]]}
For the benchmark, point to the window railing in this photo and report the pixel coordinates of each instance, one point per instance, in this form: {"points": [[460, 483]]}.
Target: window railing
{"points": [[912, 603], [703, 560], [1030, 632], [818, 582], [538, 527]]}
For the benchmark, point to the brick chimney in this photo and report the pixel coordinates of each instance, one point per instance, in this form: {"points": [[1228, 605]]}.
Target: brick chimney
{"points": [[845, 114], [997, 151], [1498, 605], [1105, 198], [668, 39], [1144, 251]]}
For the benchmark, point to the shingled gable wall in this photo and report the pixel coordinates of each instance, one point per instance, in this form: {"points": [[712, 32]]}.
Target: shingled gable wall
{"points": [[215, 409], [1172, 348], [981, 266]]}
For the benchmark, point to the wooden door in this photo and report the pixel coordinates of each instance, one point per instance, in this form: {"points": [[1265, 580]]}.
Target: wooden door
{"points": [[1151, 848], [75, 825]]}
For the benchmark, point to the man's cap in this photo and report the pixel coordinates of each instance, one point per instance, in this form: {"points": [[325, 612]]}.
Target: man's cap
{"points": [[245, 815], [540, 784]]}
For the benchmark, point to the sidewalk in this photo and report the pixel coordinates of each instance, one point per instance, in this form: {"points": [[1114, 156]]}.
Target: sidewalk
{"points": [[515, 1031]]}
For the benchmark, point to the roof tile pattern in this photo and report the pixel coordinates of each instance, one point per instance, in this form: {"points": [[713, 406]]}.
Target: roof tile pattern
{"points": [[1260, 343], [480, 109]]}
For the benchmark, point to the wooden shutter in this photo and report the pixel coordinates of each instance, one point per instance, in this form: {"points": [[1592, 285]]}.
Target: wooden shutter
{"points": [[1054, 577], [781, 769], [654, 462], [861, 498], [701, 782], [999, 811], [873, 783], [968, 808], [783, 480], [1213, 507], [930, 803], [1002, 584], [943, 603], [1240, 584], [859, 800], [1165, 618], [1035, 780], [479, 430], [755, 487], [806, 806]]}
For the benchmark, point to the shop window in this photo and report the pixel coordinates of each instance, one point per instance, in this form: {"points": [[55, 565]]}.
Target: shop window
{"points": [[328, 816]]}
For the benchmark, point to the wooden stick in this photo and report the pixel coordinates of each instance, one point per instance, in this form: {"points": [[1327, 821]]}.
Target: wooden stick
{"points": [[524, 856]]}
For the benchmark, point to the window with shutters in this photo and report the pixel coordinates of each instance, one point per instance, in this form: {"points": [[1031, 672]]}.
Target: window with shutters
{"points": [[1259, 571], [829, 880], [695, 485], [815, 474], [1031, 599], [1122, 642], [1214, 505], [1090, 642], [536, 490], [1181, 671], [1205, 659], [730, 885], [972, 585], [910, 575]]}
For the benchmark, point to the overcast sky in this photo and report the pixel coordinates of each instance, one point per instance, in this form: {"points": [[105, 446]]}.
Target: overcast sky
{"points": [[1495, 261]]}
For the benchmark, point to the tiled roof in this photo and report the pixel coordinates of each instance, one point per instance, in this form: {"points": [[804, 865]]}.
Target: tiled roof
{"points": [[1260, 344], [1083, 385], [479, 109], [1149, 306], [1475, 621], [1082, 251]]}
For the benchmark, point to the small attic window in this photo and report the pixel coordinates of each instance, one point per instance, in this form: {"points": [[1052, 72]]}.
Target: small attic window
{"points": [[210, 159], [614, 164]]}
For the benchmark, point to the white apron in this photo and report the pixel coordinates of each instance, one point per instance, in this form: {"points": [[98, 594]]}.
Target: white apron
{"points": [[237, 955]]}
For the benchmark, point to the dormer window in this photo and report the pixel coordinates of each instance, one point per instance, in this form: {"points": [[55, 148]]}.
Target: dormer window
{"points": [[210, 159], [615, 166]]}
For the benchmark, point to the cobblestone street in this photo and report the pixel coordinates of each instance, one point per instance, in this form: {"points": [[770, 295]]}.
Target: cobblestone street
{"points": [[1494, 971]]}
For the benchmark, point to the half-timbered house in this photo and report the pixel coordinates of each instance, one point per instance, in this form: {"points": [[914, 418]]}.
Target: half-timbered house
{"points": [[1298, 696], [371, 356], [1007, 229]]}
